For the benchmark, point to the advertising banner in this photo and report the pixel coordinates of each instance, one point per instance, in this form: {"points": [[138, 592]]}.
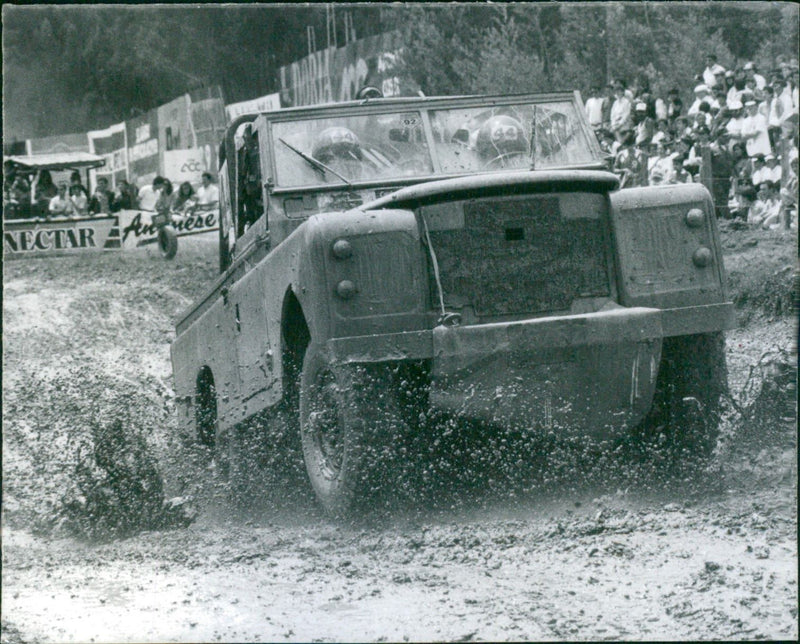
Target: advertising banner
{"points": [[174, 125], [337, 74], [185, 165], [266, 103], [110, 144], [136, 228], [37, 238], [60, 143], [142, 135], [208, 122]]}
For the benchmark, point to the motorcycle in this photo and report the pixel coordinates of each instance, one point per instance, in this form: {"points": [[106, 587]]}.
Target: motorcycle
{"points": [[167, 235]]}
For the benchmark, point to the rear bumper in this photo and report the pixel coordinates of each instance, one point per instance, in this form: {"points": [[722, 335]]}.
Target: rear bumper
{"points": [[575, 374]]}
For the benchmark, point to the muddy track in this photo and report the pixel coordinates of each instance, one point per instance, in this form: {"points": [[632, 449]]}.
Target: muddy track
{"points": [[706, 554]]}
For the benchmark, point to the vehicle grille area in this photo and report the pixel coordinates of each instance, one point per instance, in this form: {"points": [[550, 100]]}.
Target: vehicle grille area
{"points": [[529, 254]]}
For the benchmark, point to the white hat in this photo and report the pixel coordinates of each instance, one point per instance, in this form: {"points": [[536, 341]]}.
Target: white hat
{"points": [[750, 102], [701, 88], [641, 106], [749, 66]]}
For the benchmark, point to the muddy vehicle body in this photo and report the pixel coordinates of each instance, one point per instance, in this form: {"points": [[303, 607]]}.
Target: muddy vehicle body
{"points": [[471, 245]]}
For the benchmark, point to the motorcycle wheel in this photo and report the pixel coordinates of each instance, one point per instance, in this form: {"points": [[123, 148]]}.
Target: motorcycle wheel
{"points": [[168, 242]]}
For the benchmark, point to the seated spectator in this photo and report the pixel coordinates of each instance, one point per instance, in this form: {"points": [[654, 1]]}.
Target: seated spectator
{"points": [[712, 70], [125, 196], [608, 143], [75, 180], [594, 108], [679, 174], [660, 167], [184, 198], [60, 205], [772, 171], [752, 74], [80, 202], [100, 203], [630, 164], [150, 192], [788, 194], [662, 131], [44, 191], [759, 172], [20, 197], [766, 207], [754, 131], [207, 193], [164, 201]]}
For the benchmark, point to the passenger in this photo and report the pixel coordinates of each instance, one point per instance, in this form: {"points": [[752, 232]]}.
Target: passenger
{"points": [[339, 148], [501, 143], [100, 203]]}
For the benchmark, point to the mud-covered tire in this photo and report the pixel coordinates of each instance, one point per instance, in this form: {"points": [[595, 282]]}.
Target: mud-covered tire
{"points": [[691, 383], [167, 242], [349, 419]]}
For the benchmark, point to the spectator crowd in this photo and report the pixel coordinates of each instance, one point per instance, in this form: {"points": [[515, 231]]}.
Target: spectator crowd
{"points": [[27, 195], [739, 135]]}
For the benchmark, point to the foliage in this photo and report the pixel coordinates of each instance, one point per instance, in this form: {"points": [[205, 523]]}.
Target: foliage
{"points": [[75, 68]]}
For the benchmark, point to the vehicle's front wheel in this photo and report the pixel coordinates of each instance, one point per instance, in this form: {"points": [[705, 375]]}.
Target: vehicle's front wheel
{"points": [[691, 384], [349, 419], [168, 242]]}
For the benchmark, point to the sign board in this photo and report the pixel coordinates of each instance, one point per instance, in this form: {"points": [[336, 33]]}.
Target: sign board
{"points": [[185, 165], [110, 144], [37, 238], [136, 228], [266, 103]]}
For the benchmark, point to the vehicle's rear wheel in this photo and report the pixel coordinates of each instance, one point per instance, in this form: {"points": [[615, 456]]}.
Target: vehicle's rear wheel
{"points": [[349, 419], [168, 242], [692, 380]]}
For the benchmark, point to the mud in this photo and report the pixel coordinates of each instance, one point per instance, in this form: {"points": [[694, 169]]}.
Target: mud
{"points": [[705, 554]]}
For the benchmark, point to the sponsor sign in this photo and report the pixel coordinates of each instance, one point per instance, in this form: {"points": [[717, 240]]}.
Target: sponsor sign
{"points": [[110, 144], [186, 165], [266, 103], [174, 124], [337, 74], [60, 143], [136, 227], [142, 135], [36, 238]]}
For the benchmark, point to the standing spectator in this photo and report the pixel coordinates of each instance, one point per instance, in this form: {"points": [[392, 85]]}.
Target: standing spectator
{"points": [[754, 130], [735, 92], [620, 111], [124, 197], [207, 193], [608, 101], [102, 198], [21, 196], [711, 70], [752, 74], [44, 191], [662, 131], [594, 108], [702, 95], [734, 124], [729, 85], [674, 105], [644, 126], [630, 164], [789, 194], [721, 168], [60, 205], [80, 202]]}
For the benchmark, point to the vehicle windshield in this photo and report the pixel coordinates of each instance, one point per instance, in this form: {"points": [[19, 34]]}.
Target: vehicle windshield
{"points": [[481, 139], [354, 148], [348, 149]]}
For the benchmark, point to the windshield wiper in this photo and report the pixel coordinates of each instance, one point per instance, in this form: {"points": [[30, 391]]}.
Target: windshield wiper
{"points": [[315, 163]]}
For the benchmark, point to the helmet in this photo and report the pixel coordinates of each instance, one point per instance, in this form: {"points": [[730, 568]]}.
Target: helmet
{"points": [[501, 135], [336, 143]]}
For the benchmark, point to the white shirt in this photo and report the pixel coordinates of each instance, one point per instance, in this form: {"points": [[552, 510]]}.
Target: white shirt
{"points": [[709, 77], [760, 176], [773, 174], [695, 108], [206, 196], [148, 197], [594, 111], [60, 206], [758, 144]]}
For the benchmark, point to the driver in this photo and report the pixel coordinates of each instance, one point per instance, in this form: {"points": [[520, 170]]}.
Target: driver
{"points": [[501, 141], [340, 149]]}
